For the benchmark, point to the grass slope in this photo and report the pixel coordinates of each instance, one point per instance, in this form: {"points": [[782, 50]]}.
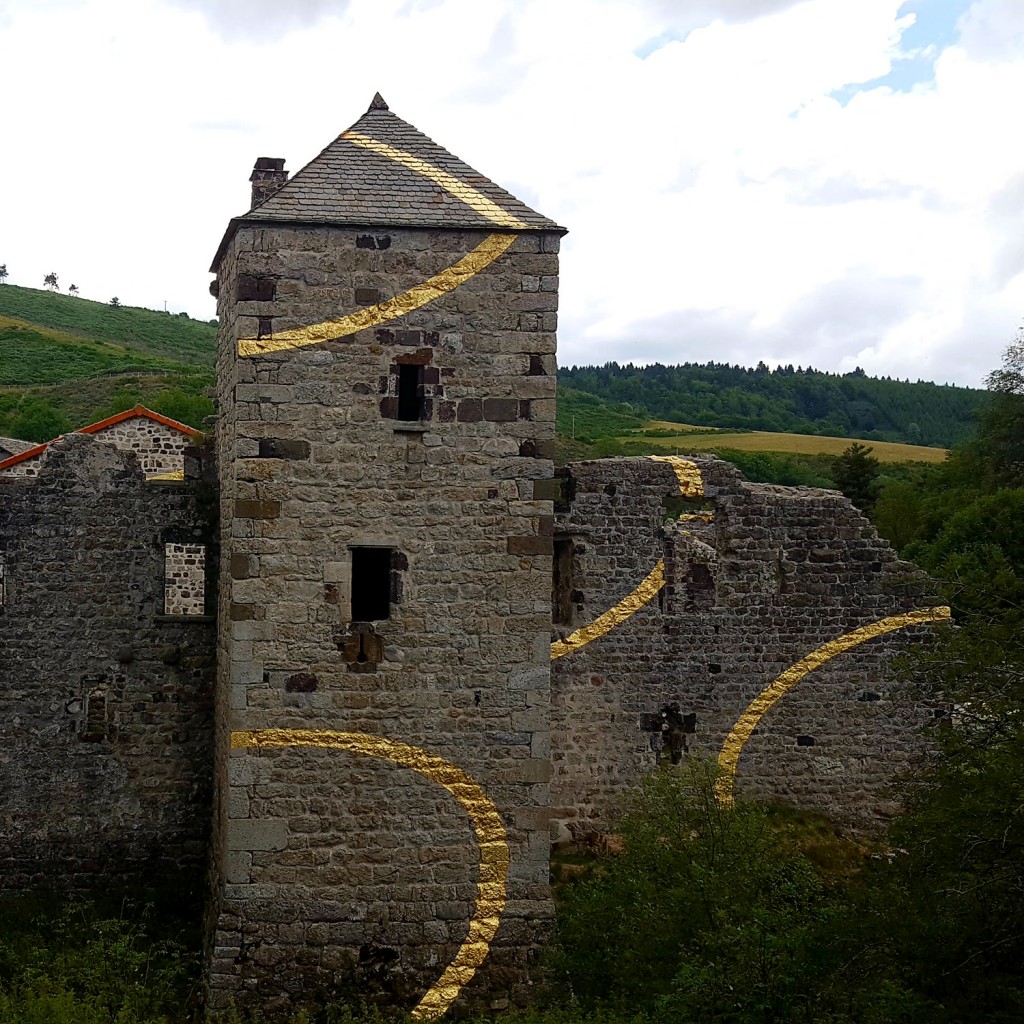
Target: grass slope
{"points": [[67, 362], [176, 338], [38, 355]]}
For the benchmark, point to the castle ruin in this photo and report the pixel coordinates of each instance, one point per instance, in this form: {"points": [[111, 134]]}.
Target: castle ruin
{"points": [[433, 652]]}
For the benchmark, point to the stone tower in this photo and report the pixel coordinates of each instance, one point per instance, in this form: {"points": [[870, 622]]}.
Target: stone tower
{"points": [[386, 382]]}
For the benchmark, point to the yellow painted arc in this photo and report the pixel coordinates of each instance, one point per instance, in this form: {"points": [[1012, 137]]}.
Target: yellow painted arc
{"points": [[390, 309], [691, 484], [732, 748], [452, 185], [615, 616], [487, 824]]}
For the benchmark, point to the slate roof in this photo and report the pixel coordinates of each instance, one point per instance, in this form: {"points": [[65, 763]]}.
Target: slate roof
{"points": [[12, 446], [383, 171]]}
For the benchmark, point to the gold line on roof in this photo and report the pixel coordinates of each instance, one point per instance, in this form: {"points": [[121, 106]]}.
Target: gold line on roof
{"points": [[452, 185]]}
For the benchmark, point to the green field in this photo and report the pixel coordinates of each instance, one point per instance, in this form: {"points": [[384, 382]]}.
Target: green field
{"points": [[682, 438], [66, 362]]}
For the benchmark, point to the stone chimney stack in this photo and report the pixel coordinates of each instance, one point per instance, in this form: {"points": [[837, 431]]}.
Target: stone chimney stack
{"points": [[268, 175]]}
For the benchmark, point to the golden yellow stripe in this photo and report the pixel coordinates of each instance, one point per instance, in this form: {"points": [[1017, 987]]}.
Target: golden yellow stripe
{"points": [[449, 279], [490, 832], [452, 185], [613, 617], [729, 757], [691, 485]]}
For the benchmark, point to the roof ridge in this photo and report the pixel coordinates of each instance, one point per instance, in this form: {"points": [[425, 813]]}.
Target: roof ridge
{"points": [[94, 428], [384, 171]]}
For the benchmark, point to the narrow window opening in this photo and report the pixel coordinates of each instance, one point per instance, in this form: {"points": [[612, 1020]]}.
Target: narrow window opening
{"points": [[410, 392], [371, 586], [561, 581], [3, 582], [94, 729], [184, 579]]}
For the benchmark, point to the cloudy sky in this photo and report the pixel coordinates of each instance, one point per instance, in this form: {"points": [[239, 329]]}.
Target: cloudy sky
{"points": [[834, 183]]}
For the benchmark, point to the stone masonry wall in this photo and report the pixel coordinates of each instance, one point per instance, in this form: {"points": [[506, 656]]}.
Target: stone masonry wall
{"points": [[160, 449], [105, 711], [772, 574], [333, 867]]}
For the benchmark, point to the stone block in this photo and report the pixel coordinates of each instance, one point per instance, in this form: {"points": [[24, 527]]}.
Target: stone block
{"points": [[254, 508], [282, 448], [530, 546], [251, 834]]}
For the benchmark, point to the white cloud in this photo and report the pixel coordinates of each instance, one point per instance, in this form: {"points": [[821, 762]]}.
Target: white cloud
{"points": [[722, 202]]}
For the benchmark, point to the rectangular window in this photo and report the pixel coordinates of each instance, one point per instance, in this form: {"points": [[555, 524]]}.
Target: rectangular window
{"points": [[561, 582], [184, 579], [3, 582], [371, 584], [410, 392]]}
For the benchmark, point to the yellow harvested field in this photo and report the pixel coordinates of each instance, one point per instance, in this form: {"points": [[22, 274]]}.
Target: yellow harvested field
{"points": [[690, 439]]}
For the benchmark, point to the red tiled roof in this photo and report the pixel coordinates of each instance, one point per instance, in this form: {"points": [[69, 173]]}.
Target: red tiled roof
{"points": [[93, 428]]}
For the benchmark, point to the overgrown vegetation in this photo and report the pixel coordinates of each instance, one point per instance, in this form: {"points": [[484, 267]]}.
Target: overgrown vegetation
{"points": [[90, 963]]}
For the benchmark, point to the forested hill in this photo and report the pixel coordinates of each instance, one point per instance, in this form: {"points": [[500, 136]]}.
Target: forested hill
{"points": [[787, 399]]}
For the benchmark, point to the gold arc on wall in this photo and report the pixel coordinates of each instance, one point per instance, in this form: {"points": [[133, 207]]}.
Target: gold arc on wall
{"points": [[691, 485], [452, 185], [390, 309], [487, 824], [732, 748], [615, 616]]}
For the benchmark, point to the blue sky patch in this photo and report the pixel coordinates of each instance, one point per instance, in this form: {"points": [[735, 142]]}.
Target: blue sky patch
{"points": [[933, 30]]}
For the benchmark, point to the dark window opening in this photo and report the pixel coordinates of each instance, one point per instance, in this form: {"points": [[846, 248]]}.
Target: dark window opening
{"points": [[410, 392], [371, 584], [94, 729], [561, 581]]}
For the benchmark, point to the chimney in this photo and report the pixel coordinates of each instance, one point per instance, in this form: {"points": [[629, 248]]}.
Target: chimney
{"points": [[268, 175]]}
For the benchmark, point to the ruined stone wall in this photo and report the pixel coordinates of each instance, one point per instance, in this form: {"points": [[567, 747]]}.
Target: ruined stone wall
{"points": [[356, 865], [25, 469], [756, 578], [105, 707]]}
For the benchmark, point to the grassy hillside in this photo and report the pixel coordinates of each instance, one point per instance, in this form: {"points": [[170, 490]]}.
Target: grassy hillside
{"points": [[176, 338], [38, 355], [66, 362]]}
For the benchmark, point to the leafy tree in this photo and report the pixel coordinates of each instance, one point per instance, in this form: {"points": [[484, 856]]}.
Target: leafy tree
{"points": [[36, 419], [183, 406], [897, 513], [855, 473], [1001, 430], [115, 302], [3, 273], [708, 914], [73, 290], [51, 282]]}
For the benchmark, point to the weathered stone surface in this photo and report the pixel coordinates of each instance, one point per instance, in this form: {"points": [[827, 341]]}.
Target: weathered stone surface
{"points": [[452, 664], [772, 574], [105, 707]]}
